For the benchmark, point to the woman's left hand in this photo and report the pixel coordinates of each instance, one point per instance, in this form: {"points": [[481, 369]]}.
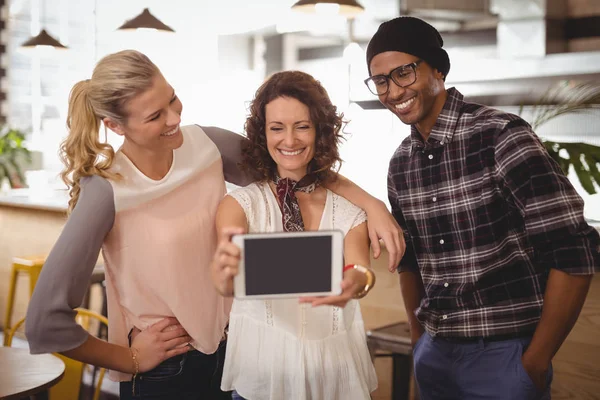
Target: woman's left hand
{"points": [[352, 284], [382, 225]]}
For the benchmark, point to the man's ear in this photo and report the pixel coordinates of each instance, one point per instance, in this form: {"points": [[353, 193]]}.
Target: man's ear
{"points": [[114, 126], [439, 75]]}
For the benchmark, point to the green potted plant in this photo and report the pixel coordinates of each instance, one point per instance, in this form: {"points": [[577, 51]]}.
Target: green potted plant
{"points": [[13, 153], [571, 97]]}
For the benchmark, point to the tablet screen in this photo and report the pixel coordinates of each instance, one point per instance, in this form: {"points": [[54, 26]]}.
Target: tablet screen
{"points": [[287, 265]]}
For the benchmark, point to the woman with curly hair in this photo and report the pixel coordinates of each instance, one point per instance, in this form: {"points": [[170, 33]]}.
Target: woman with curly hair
{"points": [[285, 348]]}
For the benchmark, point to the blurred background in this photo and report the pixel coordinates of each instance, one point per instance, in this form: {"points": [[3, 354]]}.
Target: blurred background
{"points": [[504, 53], [537, 58]]}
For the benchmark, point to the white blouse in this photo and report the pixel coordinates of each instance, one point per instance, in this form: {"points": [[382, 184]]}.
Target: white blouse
{"points": [[281, 349]]}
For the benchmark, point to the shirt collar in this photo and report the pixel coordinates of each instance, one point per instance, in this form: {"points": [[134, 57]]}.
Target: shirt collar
{"points": [[443, 130]]}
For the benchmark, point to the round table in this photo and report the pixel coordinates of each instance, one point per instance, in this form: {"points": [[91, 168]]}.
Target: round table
{"points": [[23, 374]]}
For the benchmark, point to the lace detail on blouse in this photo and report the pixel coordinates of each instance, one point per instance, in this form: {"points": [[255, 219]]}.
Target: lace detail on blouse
{"points": [[266, 201], [336, 320], [303, 321], [244, 201], [335, 211], [335, 323], [345, 215], [269, 312], [360, 218]]}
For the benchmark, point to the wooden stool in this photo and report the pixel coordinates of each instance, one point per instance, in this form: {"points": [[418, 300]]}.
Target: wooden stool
{"points": [[395, 339], [28, 265], [97, 278]]}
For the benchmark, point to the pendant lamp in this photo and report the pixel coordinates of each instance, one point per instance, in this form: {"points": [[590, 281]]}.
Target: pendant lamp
{"points": [[43, 39], [346, 8], [145, 20]]}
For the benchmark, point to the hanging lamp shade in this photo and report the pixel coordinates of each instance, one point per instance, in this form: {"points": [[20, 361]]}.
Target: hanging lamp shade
{"points": [[347, 8], [43, 39], [145, 20]]}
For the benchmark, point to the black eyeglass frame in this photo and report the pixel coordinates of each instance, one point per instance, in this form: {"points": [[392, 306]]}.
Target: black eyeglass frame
{"points": [[412, 65]]}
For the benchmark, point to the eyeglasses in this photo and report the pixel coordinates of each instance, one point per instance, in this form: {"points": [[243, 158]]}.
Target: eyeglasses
{"points": [[403, 76]]}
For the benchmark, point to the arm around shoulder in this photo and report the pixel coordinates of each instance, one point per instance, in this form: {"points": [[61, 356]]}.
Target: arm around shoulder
{"points": [[230, 147], [381, 224]]}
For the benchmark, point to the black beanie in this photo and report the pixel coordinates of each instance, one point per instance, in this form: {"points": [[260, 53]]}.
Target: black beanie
{"points": [[412, 36]]}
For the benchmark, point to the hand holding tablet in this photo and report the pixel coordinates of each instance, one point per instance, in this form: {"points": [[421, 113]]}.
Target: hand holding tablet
{"points": [[358, 280], [225, 262]]}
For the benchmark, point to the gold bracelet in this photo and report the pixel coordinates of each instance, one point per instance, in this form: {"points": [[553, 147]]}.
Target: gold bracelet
{"points": [[370, 281], [136, 370]]}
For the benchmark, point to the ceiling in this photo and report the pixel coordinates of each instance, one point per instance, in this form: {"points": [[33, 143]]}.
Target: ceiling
{"points": [[496, 66]]}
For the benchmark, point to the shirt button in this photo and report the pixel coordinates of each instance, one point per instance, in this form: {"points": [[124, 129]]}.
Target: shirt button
{"points": [[441, 241], [446, 284], [434, 199], [444, 317], [431, 156]]}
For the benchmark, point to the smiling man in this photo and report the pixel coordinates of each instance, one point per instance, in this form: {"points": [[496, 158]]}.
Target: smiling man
{"points": [[499, 258]]}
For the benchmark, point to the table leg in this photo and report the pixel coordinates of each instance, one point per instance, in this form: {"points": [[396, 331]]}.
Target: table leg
{"points": [[372, 350], [401, 377]]}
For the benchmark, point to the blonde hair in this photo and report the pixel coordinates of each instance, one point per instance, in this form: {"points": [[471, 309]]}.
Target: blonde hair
{"points": [[116, 79]]}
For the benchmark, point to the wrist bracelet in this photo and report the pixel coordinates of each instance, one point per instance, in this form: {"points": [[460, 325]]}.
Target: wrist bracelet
{"points": [[370, 280], [136, 366], [347, 267]]}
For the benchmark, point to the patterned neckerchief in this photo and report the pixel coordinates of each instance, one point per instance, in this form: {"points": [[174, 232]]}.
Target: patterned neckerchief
{"points": [[286, 189]]}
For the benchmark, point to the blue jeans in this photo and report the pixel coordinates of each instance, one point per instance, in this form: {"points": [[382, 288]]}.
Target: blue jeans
{"points": [[450, 370], [236, 396], [190, 376]]}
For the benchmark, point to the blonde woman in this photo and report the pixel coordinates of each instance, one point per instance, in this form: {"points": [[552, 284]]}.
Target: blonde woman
{"points": [[150, 208]]}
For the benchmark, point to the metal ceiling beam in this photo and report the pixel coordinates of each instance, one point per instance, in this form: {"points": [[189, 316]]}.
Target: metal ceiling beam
{"points": [[446, 10]]}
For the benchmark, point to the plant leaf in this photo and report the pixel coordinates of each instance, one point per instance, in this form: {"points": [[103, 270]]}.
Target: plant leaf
{"points": [[6, 173], [18, 172], [570, 97], [593, 167], [582, 174]]}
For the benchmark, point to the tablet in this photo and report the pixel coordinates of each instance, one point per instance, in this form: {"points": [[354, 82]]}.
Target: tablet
{"points": [[289, 264]]}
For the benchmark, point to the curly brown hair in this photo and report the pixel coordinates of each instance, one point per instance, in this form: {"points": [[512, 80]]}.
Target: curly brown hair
{"points": [[324, 116]]}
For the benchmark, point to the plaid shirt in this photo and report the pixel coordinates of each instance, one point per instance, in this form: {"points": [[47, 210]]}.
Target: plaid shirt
{"points": [[487, 213]]}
